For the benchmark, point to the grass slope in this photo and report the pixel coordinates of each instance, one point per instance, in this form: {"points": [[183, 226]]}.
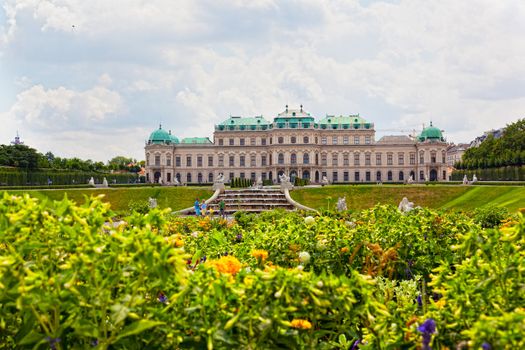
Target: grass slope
{"points": [[433, 196], [175, 198]]}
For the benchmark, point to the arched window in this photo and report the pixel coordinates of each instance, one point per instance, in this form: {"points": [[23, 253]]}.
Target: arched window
{"points": [[378, 176], [401, 176], [389, 175], [306, 139], [280, 139], [280, 158], [188, 177], [306, 158], [199, 177], [210, 177], [293, 139], [293, 158]]}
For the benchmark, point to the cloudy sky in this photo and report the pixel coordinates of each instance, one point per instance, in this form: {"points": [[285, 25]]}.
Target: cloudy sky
{"points": [[94, 78]]}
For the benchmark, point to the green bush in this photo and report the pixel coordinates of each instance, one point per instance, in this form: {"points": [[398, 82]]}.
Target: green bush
{"points": [[491, 216]]}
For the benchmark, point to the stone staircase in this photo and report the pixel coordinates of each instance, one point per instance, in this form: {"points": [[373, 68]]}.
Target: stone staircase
{"points": [[251, 200]]}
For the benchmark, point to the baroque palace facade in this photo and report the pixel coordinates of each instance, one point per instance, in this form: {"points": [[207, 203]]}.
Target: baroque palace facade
{"points": [[342, 148]]}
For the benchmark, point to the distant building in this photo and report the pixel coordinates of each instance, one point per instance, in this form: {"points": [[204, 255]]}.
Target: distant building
{"points": [[455, 153], [17, 141], [495, 133], [340, 148]]}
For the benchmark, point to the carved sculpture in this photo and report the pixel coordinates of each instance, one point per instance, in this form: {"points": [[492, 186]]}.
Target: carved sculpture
{"points": [[341, 204], [405, 206]]}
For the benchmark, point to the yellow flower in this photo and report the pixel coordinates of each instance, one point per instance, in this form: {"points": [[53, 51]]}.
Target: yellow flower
{"points": [[344, 250], [301, 324], [260, 253], [179, 243], [441, 302], [227, 264]]}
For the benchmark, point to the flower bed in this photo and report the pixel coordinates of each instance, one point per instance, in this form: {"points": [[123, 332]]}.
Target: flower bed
{"points": [[70, 278]]}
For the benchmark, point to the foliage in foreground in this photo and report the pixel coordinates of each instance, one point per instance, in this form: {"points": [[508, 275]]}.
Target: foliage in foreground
{"points": [[71, 278]]}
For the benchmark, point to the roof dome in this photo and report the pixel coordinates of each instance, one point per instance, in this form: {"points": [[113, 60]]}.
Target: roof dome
{"points": [[431, 133], [162, 136]]}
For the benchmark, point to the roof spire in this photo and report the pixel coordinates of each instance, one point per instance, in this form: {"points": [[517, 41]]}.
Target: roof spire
{"points": [[301, 108], [160, 126], [286, 108]]}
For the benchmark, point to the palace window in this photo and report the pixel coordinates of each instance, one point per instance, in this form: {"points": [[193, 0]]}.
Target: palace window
{"points": [[345, 140], [400, 159], [356, 176], [263, 141], [367, 176], [199, 161], [305, 139], [231, 142], [242, 161], [232, 161], [263, 160], [241, 142], [346, 160], [188, 160], [334, 140], [389, 175], [210, 177], [293, 139], [177, 161], [280, 158], [378, 158], [252, 176], [356, 158], [210, 160], [412, 158], [334, 159], [221, 142], [306, 158], [232, 175], [378, 176], [188, 177], [241, 175], [252, 141], [323, 159], [157, 160], [356, 140], [389, 159], [421, 157], [401, 176], [367, 140], [334, 176], [367, 159], [323, 140], [221, 160], [293, 158], [168, 160], [252, 160], [346, 176], [433, 157], [280, 139]]}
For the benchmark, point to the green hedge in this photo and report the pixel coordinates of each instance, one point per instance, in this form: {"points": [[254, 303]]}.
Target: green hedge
{"points": [[508, 173], [10, 177]]}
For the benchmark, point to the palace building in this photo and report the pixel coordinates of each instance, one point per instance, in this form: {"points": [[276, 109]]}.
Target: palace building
{"points": [[341, 148]]}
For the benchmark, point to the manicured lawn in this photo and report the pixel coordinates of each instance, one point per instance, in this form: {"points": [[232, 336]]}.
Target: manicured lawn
{"points": [[433, 196], [175, 198]]}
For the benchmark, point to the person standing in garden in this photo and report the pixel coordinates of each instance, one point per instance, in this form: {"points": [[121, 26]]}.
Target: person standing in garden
{"points": [[197, 207], [204, 206], [221, 208]]}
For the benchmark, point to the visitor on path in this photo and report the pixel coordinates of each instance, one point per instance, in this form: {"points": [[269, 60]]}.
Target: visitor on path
{"points": [[221, 208], [204, 206], [197, 207]]}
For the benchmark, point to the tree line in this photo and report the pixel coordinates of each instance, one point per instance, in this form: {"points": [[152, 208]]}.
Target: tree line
{"points": [[26, 158], [507, 150]]}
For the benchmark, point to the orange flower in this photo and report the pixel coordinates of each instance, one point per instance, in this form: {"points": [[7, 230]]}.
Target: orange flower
{"points": [[260, 254], [344, 250], [301, 324], [179, 243], [226, 264]]}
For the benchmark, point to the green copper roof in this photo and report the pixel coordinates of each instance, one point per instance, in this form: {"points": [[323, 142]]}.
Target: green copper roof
{"points": [[258, 120], [351, 119], [196, 140], [162, 136], [431, 133]]}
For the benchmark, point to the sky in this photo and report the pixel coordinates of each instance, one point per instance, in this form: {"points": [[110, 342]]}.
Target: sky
{"points": [[92, 79]]}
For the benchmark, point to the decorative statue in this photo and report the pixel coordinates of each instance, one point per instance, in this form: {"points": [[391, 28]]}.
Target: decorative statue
{"points": [[284, 178], [152, 202], [410, 180], [465, 180], [474, 179], [259, 182], [405, 206], [91, 182], [341, 204], [220, 178], [176, 182], [105, 183], [285, 182], [324, 181]]}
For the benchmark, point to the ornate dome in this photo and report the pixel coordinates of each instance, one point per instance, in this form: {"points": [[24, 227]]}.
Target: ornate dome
{"points": [[160, 136], [431, 133]]}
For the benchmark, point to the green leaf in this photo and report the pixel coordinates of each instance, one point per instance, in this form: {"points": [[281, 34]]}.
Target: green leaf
{"points": [[120, 312], [31, 338], [138, 327]]}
